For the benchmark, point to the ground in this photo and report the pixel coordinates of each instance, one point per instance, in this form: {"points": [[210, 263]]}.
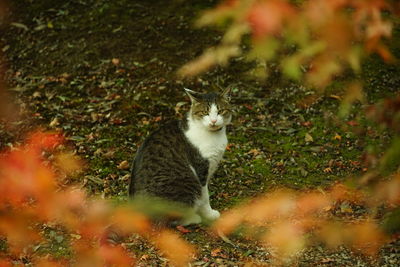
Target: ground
{"points": [[104, 73]]}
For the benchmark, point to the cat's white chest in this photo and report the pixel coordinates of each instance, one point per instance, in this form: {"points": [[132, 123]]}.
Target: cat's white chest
{"points": [[211, 145]]}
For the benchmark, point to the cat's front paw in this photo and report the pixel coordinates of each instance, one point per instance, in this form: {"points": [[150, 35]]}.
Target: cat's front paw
{"points": [[212, 215]]}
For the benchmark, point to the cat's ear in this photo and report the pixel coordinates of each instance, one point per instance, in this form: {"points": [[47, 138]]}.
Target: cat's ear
{"points": [[194, 96], [226, 93]]}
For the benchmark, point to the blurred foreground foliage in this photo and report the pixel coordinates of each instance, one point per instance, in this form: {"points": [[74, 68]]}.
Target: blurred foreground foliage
{"points": [[38, 210], [314, 42], [309, 41], [32, 202]]}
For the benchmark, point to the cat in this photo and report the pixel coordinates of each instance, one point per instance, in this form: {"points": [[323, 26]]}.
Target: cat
{"points": [[177, 161]]}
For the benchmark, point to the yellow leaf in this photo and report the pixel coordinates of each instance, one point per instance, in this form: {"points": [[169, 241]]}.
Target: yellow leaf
{"points": [[308, 138], [328, 170], [337, 137], [123, 165]]}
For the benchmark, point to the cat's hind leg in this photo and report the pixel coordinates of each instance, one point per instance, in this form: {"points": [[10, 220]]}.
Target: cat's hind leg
{"points": [[190, 217]]}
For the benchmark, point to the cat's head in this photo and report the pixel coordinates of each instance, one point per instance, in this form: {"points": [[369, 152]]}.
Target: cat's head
{"points": [[211, 110]]}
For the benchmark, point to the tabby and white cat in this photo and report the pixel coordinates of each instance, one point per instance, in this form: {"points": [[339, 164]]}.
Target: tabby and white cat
{"points": [[176, 161]]}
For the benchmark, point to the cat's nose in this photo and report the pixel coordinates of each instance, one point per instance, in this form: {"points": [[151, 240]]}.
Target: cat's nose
{"points": [[213, 121]]}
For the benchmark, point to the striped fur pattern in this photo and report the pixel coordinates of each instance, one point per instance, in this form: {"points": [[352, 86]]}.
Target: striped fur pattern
{"points": [[177, 161]]}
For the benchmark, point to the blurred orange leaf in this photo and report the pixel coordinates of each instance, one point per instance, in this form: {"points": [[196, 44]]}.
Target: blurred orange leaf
{"points": [[367, 237], [130, 222], [267, 17], [178, 251], [229, 220], [287, 238], [311, 203], [115, 256]]}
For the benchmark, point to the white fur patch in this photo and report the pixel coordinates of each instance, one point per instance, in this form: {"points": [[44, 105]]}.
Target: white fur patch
{"points": [[211, 144], [193, 170], [203, 205]]}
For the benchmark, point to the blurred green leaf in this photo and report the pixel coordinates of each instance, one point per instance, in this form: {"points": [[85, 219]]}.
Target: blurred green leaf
{"points": [[265, 49], [354, 58], [292, 67], [391, 221], [391, 160]]}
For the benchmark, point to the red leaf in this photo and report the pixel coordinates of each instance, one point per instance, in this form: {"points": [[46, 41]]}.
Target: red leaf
{"points": [[182, 229], [267, 17]]}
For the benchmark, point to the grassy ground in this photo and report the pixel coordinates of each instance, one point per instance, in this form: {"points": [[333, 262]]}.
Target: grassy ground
{"points": [[103, 72]]}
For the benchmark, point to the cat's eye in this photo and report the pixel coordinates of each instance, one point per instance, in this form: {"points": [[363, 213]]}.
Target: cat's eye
{"points": [[202, 113], [223, 111]]}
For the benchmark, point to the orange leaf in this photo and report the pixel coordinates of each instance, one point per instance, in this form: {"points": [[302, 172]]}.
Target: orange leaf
{"points": [[286, 238], [182, 229], [229, 221], [129, 221], [267, 17], [215, 252], [367, 237], [115, 256], [178, 251], [312, 202]]}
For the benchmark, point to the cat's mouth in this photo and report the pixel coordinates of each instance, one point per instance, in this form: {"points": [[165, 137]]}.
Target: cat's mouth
{"points": [[214, 128]]}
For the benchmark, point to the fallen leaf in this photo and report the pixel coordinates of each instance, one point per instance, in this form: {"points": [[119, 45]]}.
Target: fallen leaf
{"points": [[109, 154], [68, 162], [123, 165], [352, 123], [54, 123], [144, 257], [182, 229], [215, 252], [36, 94], [345, 208], [254, 152], [117, 121], [308, 138], [327, 260], [115, 61], [19, 25], [158, 118], [126, 177], [337, 137], [335, 97]]}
